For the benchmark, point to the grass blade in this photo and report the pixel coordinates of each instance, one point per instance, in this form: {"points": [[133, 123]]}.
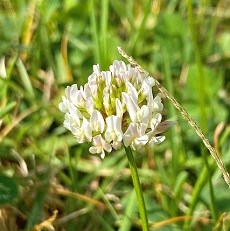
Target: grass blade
{"points": [[25, 78]]}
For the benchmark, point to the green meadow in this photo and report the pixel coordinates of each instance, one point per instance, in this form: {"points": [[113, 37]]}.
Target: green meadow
{"points": [[50, 182]]}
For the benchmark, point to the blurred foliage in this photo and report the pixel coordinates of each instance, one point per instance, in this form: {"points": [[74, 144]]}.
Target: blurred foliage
{"points": [[50, 44]]}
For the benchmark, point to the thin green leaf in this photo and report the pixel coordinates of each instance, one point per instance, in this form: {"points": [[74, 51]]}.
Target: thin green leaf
{"points": [[25, 78], [7, 109]]}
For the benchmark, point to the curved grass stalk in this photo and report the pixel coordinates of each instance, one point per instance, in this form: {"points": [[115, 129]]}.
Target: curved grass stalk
{"points": [[186, 116]]}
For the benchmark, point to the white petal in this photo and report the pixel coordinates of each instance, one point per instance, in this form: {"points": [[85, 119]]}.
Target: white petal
{"points": [[142, 128], [97, 121], [90, 107], [150, 80], [116, 145], [131, 106], [106, 101], [118, 67], [99, 146], [71, 93], [80, 98], [87, 91], [107, 76], [139, 142], [156, 140], [94, 90], [87, 130], [143, 115], [70, 122], [128, 135], [157, 105], [92, 79], [93, 150], [135, 136], [63, 106], [155, 121], [119, 109], [107, 147], [131, 90], [83, 133], [146, 89], [113, 131], [102, 154], [75, 113], [96, 69], [132, 76], [143, 140]]}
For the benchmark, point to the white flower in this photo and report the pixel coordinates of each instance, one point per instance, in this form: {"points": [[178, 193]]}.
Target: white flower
{"points": [[97, 122], [63, 106], [136, 113], [90, 107], [118, 68], [113, 108], [131, 105], [155, 140], [96, 70], [155, 121], [155, 103], [143, 114], [75, 113], [83, 133], [100, 146], [119, 110], [135, 136], [107, 76], [71, 93], [113, 132], [146, 88]]}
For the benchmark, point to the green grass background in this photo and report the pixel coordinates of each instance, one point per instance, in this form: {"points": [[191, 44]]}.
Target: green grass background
{"points": [[51, 44]]}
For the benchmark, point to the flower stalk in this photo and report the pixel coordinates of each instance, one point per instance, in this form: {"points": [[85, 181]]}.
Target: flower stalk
{"points": [[113, 109], [138, 190]]}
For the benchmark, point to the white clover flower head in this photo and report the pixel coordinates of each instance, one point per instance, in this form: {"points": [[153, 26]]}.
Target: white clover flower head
{"points": [[113, 108]]}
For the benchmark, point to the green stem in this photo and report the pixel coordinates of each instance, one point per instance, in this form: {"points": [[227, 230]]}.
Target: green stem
{"points": [[139, 33], [195, 196], [201, 101], [104, 34], [171, 114], [138, 190], [95, 35]]}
